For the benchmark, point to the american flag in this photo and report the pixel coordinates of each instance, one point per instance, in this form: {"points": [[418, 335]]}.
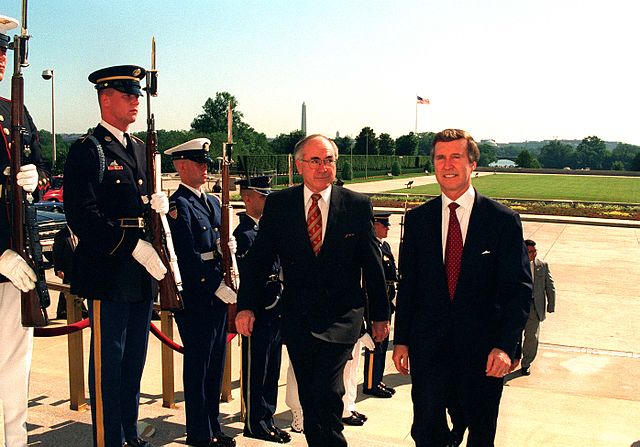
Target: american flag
{"points": [[422, 100]]}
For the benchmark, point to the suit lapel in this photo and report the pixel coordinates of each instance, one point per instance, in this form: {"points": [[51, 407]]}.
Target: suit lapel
{"points": [[472, 241], [335, 210], [299, 222]]}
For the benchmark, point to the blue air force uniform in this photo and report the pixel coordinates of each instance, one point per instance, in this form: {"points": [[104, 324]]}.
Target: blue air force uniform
{"points": [[194, 219], [105, 195], [262, 351], [374, 361]]}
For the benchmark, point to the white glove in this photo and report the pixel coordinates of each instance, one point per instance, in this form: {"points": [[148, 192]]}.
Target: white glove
{"points": [[146, 255], [226, 294], [17, 270], [367, 342], [160, 203], [28, 178], [233, 245]]}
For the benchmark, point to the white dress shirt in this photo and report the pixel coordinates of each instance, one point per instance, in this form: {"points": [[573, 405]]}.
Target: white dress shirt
{"points": [[463, 212], [115, 132], [323, 204]]}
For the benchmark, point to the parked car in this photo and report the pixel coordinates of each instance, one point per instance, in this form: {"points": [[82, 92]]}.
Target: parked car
{"points": [[55, 191], [53, 207], [49, 223]]}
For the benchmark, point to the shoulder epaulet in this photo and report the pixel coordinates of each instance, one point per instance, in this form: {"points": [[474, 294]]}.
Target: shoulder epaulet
{"points": [[137, 139], [217, 198], [84, 137]]}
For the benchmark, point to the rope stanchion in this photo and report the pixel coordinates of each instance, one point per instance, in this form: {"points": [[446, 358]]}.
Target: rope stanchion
{"points": [[61, 330], [172, 344]]}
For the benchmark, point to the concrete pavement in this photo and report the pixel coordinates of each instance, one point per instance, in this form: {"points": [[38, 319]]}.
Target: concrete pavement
{"points": [[584, 387]]}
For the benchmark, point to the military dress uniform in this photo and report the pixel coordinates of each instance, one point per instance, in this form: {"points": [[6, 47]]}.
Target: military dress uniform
{"points": [[195, 219], [17, 341], [262, 351], [374, 361], [105, 198]]}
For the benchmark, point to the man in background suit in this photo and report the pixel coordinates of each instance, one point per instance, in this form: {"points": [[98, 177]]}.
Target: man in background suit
{"points": [[324, 236], [463, 299], [544, 300]]}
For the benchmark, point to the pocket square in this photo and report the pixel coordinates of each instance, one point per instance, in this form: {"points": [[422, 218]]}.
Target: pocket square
{"points": [[486, 252], [349, 235]]}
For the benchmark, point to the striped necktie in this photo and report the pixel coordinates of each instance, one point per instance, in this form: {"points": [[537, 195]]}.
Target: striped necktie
{"points": [[314, 224]]}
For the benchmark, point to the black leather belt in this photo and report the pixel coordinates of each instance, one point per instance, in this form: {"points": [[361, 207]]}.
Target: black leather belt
{"points": [[131, 222]]}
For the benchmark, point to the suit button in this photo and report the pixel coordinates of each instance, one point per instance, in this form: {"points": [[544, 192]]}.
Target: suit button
{"points": [[1, 117], [202, 280], [204, 228], [6, 131], [140, 182], [118, 181]]}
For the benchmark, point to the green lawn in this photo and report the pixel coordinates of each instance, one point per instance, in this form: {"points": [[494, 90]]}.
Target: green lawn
{"points": [[558, 186]]}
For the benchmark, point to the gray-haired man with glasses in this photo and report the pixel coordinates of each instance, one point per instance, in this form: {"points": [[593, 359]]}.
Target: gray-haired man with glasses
{"points": [[324, 237]]}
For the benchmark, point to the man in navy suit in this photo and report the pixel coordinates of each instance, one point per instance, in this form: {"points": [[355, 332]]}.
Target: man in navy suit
{"points": [[463, 299], [324, 237], [195, 219]]}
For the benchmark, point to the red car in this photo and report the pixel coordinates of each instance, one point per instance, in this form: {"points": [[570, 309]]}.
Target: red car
{"points": [[54, 193]]}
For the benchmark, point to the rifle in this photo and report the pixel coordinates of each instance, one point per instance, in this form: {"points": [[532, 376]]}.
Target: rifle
{"points": [[171, 285], [229, 269], [404, 215], [24, 226]]}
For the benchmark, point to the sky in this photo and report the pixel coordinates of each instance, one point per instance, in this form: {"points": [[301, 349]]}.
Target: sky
{"points": [[507, 70]]}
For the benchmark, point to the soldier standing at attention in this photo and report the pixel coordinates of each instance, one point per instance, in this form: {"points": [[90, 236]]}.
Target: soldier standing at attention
{"points": [[106, 198], [374, 360], [15, 273], [262, 351], [195, 219]]}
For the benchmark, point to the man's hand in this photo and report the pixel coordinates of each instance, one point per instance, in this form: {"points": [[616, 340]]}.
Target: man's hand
{"points": [[27, 178], [244, 322], [233, 245], [146, 255], [160, 203], [401, 358], [380, 330], [17, 270], [498, 363]]}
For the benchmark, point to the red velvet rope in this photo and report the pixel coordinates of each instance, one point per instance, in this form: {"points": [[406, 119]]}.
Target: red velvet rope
{"points": [[70, 328]]}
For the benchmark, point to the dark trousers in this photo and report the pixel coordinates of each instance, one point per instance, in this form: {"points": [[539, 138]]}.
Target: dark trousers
{"points": [[261, 358], [374, 362], [433, 390], [119, 336], [319, 368], [204, 336]]}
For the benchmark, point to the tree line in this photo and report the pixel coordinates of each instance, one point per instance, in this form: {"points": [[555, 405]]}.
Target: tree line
{"points": [[212, 123]]}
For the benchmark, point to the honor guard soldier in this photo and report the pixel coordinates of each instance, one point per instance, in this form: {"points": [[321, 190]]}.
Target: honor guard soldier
{"points": [[195, 219], [15, 273], [106, 199], [374, 360], [262, 351]]}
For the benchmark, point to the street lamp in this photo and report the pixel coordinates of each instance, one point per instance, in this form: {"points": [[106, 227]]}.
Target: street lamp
{"points": [[46, 75]]}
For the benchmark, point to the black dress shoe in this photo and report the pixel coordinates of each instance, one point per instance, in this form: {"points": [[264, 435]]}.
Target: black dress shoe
{"points": [[526, 371], [221, 440], [379, 392], [286, 437], [388, 388], [137, 442], [353, 420], [360, 415], [197, 443], [270, 436]]}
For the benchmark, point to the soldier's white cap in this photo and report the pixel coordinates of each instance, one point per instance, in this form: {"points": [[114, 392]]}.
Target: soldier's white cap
{"points": [[6, 24], [196, 150]]}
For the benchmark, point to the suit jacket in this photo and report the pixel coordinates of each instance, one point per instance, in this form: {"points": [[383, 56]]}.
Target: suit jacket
{"points": [[544, 292], [493, 295], [322, 295], [103, 267], [195, 229]]}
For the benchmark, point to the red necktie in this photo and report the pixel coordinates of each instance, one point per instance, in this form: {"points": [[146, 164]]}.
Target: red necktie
{"points": [[314, 224], [453, 250]]}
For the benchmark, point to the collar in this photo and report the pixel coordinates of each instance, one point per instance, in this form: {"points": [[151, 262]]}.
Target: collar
{"points": [[465, 200], [115, 132], [325, 194], [197, 192]]}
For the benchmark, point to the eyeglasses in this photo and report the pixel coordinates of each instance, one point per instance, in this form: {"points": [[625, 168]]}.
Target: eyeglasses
{"points": [[317, 162]]}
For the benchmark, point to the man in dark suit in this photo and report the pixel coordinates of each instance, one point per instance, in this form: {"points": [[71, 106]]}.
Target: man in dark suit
{"points": [[106, 198], [544, 300], [195, 219], [463, 299], [324, 237]]}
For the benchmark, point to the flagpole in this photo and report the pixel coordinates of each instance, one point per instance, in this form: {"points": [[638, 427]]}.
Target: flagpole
{"points": [[416, 128]]}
